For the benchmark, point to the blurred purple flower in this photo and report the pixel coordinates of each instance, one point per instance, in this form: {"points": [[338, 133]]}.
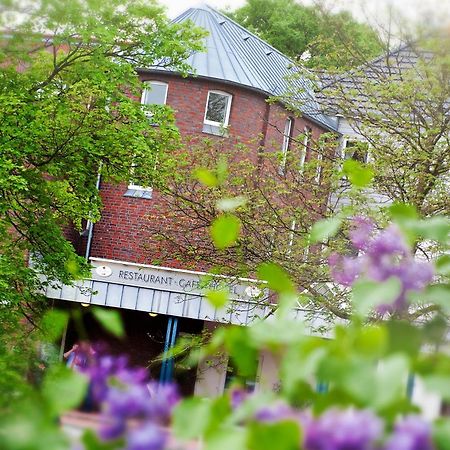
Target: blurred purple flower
{"points": [[344, 269], [385, 255], [410, 433], [147, 437], [362, 229], [349, 429], [275, 412], [237, 397], [163, 400], [125, 393]]}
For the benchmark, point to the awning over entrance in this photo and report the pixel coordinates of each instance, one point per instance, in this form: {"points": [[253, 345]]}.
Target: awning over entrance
{"points": [[166, 291]]}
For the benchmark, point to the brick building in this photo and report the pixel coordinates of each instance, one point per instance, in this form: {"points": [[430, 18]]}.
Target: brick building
{"points": [[225, 99]]}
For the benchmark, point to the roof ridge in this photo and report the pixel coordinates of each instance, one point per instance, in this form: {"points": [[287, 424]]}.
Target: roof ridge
{"points": [[206, 7]]}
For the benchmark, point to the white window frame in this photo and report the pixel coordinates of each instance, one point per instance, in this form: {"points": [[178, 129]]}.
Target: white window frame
{"points": [[304, 150], [287, 136], [131, 185], [138, 187], [346, 140], [227, 112], [150, 82]]}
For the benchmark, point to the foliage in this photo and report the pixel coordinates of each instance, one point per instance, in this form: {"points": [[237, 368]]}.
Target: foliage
{"points": [[68, 112], [398, 104], [346, 414], [293, 28]]}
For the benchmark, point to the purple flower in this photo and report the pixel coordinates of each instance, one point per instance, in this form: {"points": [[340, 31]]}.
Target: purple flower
{"points": [[274, 413], [343, 430], [237, 397], [385, 255], [163, 399], [147, 437], [112, 428], [362, 229], [410, 433], [344, 269], [125, 393]]}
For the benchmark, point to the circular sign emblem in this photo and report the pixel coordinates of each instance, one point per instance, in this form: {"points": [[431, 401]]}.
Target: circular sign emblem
{"points": [[252, 291], [103, 271]]}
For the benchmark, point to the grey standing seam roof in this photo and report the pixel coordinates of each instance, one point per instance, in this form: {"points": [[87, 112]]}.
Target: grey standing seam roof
{"points": [[235, 55]]}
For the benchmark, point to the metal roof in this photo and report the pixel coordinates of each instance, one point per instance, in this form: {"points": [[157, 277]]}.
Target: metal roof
{"points": [[235, 55]]}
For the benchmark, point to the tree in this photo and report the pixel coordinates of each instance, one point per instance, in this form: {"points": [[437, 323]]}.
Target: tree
{"points": [[294, 28], [399, 105], [399, 108], [67, 113]]}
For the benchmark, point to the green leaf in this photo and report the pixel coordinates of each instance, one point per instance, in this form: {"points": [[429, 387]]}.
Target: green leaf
{"points": [[241, 350], [435, 228], [225, 230], [206, 177], [230, 204], [91, 441], [358, 175], [324, 229], [230, 438], [403, 337], [110, 320], [367, 294], [438, 383], [371, 340], [284, 435], [402, 211], [277, 279], [443, 265], [218, 298], [53, 324], [191, 418], [441, 434], [63, 388]]}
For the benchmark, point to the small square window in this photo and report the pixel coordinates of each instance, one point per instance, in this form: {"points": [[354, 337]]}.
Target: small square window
{"points": [[154, 93], [218, 107], [356, 150]]}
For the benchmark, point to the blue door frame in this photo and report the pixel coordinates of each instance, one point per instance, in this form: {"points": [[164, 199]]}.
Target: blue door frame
{"points": [[166, 373]]}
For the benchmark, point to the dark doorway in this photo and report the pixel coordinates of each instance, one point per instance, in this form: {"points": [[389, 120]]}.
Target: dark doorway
{"points": [[143, 343]]}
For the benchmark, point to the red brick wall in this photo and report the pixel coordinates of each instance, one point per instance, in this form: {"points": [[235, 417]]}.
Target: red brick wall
{"points": [[120, 234]]}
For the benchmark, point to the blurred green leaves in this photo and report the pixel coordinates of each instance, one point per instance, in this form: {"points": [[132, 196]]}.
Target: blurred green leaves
{"points": [[324, 229], [110, 320], [358, 174], [225, 231]]}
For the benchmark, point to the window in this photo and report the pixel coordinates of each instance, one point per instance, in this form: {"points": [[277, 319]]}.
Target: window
{"points": [[319, 165], [218, 107], [306, 146], [154, 93], [356, 150], [286, 142]]}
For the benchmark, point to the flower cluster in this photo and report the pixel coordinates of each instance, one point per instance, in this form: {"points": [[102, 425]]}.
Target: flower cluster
{"points": [[381, 256], [351, 429], [133, 407]]}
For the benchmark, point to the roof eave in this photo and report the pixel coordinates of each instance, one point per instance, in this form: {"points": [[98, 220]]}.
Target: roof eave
{"points": [[234, 83]]}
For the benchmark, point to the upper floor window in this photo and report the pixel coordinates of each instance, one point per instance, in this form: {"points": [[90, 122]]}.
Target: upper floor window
{"points": [[218, 107], [305, 148], [356, 150], [286, 143], [154, 93]]}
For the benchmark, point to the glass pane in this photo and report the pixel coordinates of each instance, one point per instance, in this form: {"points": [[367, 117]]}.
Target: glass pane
{"points": [[217, 107], [155, 94]]}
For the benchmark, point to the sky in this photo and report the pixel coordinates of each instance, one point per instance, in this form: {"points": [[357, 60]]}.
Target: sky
{"points": [[370, 10]]}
